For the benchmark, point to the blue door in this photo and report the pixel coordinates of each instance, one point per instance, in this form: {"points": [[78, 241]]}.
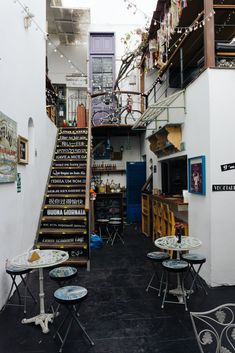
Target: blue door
{"points": [[135, 179]]}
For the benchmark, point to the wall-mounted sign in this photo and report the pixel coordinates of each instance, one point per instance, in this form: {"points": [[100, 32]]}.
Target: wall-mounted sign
{"points": [[18, 182], [221, 187], [75, 81], [8, 149], [226, 167]]}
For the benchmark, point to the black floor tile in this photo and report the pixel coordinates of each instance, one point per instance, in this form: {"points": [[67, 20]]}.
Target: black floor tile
{"points": [[118, 314]]}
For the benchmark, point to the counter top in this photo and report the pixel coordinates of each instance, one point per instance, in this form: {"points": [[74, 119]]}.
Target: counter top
{"points": [[177, 200]]}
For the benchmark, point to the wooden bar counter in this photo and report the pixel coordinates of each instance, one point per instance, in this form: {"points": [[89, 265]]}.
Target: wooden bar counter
{"points": [[166, 211]]}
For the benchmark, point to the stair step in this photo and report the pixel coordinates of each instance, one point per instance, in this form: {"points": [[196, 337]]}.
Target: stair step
{"points": [[78, 153], [62, 231], [68, 177], [71, 164], [63, 206], [70, 168], [64, 218], [69, 160], [65, 195], [68, 246], [65, 185]]}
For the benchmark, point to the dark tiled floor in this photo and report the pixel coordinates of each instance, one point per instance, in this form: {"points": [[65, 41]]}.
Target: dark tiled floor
{"points": [[118, 314]]}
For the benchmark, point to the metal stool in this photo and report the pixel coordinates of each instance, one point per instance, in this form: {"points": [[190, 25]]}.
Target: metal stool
{"points": [[14, 272], [178, 267], [115, 227], [156, 257], [103, 224], [71, 297], [61, 275], [195, 259]]}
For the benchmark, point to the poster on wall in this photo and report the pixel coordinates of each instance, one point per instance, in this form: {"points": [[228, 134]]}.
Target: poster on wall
{"points": [[196, 175], [8, 149]]}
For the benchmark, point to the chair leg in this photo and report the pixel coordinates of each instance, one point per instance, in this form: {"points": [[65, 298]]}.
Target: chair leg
{"points": [[74, 315], [166, 290], [196, 278], [149, 285], [183, 291]]}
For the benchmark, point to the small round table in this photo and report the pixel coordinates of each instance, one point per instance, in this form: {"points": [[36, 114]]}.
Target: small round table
{"points": [[48, 258], [170, 242]]}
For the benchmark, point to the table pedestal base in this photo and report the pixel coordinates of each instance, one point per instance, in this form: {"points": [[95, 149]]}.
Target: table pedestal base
{"points": [[41, 319]]}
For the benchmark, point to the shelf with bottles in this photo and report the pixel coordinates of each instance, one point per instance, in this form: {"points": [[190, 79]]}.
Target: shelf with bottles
{"points": [[107, 168]]}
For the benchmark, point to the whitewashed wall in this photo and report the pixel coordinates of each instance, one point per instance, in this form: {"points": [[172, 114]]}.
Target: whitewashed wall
{"points": [[208, 130], [22, 87]]}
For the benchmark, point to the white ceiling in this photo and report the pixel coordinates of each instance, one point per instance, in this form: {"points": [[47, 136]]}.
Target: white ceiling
{"points": [[70, 24]]}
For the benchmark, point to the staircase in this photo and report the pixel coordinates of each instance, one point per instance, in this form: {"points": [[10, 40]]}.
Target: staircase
{"points": [[64, 221]]}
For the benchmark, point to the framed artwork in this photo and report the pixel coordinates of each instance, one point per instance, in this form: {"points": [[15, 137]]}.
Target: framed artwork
{"points": [[8, 149], [197, 175], [22, 150]]}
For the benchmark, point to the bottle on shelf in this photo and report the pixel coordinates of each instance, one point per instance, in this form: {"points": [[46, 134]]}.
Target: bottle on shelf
{"points": [[107, 186]]}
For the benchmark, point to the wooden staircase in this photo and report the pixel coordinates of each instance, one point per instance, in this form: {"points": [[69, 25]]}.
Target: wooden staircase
{"points": [[64, 221]]}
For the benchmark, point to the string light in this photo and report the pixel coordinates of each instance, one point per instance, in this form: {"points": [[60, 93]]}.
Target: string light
{"points": [[26, 12], [132, 6], [193, 27]]}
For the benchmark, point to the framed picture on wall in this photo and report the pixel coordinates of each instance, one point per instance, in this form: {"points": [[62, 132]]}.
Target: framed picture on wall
{"points": [[22, 150], [197, 175]]}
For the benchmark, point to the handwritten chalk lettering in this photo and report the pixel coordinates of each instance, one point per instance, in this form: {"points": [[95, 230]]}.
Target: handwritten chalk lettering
{"points": [[66, 181], [71, 150], [65, 202], [220, 187], [226, 167], [68, 173], [65, 191], [72, 144]]}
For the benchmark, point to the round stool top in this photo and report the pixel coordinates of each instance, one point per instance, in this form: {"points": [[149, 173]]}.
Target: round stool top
{"points": [[14, 270], [194, 258], [103, 220], [70, 294], [175, 265], [63, 272], [115, 223], [158, 255]]}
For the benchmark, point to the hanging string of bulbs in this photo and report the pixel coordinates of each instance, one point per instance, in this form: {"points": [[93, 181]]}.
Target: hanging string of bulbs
{"points": [[29, 19], [132, 6], [193, 27]]}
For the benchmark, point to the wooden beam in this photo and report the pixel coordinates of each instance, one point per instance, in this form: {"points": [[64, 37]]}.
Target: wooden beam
{"points": [[224, 7], [142, 80], [209, 34]]}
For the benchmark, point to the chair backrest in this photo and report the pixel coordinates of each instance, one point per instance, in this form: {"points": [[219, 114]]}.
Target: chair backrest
{"points": [[215, 329]]}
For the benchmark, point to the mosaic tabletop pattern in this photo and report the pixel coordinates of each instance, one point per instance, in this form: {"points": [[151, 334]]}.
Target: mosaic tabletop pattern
{"points": [[47, 258], [171, 243], [70, 293]]}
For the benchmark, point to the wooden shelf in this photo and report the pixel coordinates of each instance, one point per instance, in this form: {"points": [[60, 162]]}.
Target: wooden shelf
{"points": [[106, 171]]}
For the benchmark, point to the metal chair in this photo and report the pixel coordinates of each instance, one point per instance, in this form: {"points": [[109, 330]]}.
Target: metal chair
{"points": [[14, 272], [156, 257], [61, 275], [116, 227], [178, 267], [71, 298], [102, 224], [195, 259], [215, 329]]}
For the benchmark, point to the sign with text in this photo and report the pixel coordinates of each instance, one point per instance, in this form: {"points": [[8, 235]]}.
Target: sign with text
{"points": [[221, 187], [226, 167]]}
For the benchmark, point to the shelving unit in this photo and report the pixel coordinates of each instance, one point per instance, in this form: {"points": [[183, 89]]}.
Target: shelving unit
{"points": [[64, 222], [108, 205]]}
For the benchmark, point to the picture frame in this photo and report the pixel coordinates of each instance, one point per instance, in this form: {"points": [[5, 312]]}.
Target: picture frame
{"points": [[22, 150], [197, 175]]}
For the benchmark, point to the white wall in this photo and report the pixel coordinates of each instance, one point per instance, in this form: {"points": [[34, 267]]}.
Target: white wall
{"points": [[22, 87], [222, 127]]}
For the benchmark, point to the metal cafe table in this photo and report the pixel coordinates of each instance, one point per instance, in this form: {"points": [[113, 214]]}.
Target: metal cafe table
{"points": [[170, 242], [47, 258]]}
